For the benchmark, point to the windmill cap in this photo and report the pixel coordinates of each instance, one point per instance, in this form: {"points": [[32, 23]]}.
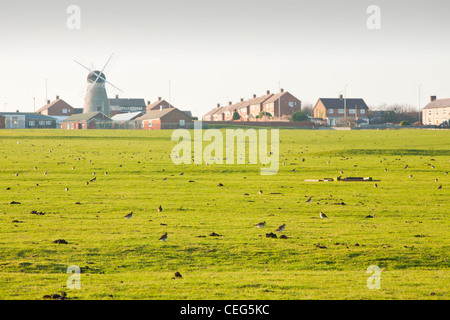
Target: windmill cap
{"points": [[96, 74]]}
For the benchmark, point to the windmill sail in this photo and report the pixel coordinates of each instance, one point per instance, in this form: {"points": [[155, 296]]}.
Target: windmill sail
{"points": [[96, 98]]}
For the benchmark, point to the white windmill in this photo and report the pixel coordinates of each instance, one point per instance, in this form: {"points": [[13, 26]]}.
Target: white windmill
{"points": [[96, 98]]}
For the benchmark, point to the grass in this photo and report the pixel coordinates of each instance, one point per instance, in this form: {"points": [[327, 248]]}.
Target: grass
{"points": [[123, 259]]}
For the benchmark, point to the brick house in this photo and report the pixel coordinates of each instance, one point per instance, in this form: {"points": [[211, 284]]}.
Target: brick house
{"points": [[282, 105], [209, 115], [436, 112], [83, 121], [168, 118], [59, 109], [334, 110]]}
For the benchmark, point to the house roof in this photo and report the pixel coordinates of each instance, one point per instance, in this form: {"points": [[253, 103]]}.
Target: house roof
{"points": [[127, 102], [28, 115], [83, 116], [261, 99], [157, 103], [339, 103], [275, 97], [126, 116], [51, 104], [156, 114], [438, 103], [212, 111]]}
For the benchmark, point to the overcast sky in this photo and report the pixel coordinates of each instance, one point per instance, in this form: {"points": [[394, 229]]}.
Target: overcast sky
{"points": [[218, 51]]}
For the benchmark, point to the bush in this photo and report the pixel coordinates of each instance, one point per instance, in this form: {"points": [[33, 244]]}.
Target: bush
{"points": [[265, 113], [299, 116], [236, 116], [405, 123]]}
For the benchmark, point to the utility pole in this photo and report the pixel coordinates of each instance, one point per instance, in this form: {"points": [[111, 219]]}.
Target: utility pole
{"points": [[345, 102], [420, 111], [169, 95], [279, 101]]}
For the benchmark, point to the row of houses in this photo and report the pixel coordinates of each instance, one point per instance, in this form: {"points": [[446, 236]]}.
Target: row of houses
{"points": [[271, 105], [281, 106]]}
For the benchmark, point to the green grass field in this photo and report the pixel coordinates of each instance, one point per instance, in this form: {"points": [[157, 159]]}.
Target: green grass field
{"points": [[321, 258]]}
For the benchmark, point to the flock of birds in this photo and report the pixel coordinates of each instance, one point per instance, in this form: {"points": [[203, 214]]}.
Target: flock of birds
{"points": [[280, 229]]}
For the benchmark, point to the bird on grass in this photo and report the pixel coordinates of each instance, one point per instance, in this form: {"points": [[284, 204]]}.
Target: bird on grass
{"points": [[410, 176], [260, 191], [128, 216], [67, 189], [436, 180], [375, 185], [261, 224], [309, 200], [322, 215], [385, 170], [440, 187], [159, 209], [281, 228], [163, 237]]}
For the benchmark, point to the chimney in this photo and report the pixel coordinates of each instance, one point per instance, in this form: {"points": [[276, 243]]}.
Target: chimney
{"points": [[268, 92], [57, 97], [242, 99], [48, 101], [148, 102], [230, 103], [254, 95], [159, 99], [117, 96], [433, 98], [340, 96], [218, 105], [281, 90]]}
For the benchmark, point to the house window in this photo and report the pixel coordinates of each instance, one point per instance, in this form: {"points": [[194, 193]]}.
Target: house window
{"points": [[71, 126], [48, 123], [64, 110], [341, 111], [362, 111], [182, 122], [331, 111], [149, 123], [351, 111], [429, 112], [31, 123], [41, 123]]}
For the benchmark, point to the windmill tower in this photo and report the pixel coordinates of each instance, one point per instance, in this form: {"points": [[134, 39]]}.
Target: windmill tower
{"points": [[96, 98]]}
